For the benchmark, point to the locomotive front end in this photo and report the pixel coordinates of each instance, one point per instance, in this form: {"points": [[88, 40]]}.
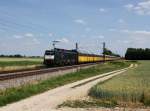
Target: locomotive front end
{"points": [[49, 57]]}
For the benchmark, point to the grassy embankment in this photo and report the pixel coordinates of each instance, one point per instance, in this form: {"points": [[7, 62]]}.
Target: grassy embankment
{"points": [[129, 89], [15, 94], [12, 64]]}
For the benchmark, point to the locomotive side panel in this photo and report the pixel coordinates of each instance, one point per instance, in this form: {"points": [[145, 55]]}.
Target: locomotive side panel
{"points": [[65, 57]]}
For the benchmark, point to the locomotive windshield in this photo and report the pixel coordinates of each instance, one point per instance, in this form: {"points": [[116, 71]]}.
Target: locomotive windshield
{"points": [[49, 53]]}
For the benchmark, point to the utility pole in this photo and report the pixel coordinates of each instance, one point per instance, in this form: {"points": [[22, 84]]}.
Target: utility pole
{"points": [[76, 46], [104, 51]]}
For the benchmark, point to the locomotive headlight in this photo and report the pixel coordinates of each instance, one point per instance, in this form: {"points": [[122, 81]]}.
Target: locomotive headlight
{"points": [[49, 57]]}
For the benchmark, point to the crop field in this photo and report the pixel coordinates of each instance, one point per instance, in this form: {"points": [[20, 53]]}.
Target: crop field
{"points": [[4, 59], [15, 94], [10, 64], [132, 87]]}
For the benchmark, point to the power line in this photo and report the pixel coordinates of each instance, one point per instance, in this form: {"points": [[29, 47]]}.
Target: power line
{"points": [[10, 23]]}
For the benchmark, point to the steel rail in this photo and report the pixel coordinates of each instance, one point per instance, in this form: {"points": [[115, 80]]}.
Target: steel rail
{"points": [[40, 71]]}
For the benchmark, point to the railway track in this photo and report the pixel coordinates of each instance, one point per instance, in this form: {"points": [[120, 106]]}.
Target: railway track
{"points": [[40, 71], [72, 91]]}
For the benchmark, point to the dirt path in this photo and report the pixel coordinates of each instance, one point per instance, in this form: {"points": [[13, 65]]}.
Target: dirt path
{"points": [[49, 100]]}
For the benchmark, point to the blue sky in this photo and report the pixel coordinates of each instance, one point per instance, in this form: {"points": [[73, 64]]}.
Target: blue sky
{"points": [[28, 26]]}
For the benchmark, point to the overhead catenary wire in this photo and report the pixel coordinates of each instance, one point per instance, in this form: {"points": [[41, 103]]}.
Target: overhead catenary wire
{"points": [[92, 48], [8, 22]]}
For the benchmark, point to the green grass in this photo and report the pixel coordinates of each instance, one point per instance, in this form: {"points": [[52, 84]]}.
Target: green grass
{"points": [[16, 94], [12, 64], [131, 87], [19, 63], [87, 103], [7, 59]]}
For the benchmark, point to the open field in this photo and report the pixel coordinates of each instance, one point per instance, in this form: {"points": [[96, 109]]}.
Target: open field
{"points": [[7, 59], [133, 87], [11, 64], [15, 94]]}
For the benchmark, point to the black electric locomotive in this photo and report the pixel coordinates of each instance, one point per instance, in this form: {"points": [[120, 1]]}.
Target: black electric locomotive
{"points": [[60, 57]]}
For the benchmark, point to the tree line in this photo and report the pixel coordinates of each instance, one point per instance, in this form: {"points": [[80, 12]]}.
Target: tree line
{"points": [[19, 56], [137, 54], [16, 55], [109, 52]]}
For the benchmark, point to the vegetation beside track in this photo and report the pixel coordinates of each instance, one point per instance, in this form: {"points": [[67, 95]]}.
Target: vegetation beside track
{"points": [[87, 103], [15, 94], [12, 64], [131, 88]]}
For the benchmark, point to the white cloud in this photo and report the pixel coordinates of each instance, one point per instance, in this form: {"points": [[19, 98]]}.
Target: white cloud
{"points": [[28, 38], [100, 37], [50, 34], [87, 29], [112, 29], [64, 40], [102, 10], [129, 6], [124, 41], [18, 36], [143, 32], [137, 32], [29, 35], [35, 41], [95, 37], [141, 8], [125, 30], [121, 21], [80, 21], [138, 38]]}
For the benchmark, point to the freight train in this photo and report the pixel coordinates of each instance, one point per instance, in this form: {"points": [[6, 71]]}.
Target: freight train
{"points": [[62, 57]]}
